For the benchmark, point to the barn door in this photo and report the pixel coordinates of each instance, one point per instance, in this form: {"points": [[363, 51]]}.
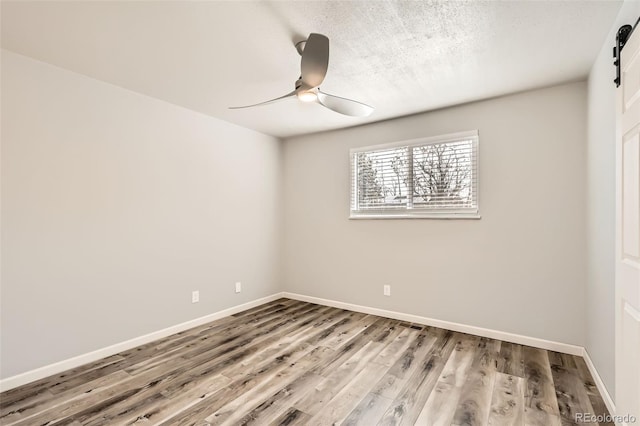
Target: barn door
{"points": [[627, 394]]}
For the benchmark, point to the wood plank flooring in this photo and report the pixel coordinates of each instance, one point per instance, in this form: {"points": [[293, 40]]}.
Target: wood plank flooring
{"points": [[296, 363]]}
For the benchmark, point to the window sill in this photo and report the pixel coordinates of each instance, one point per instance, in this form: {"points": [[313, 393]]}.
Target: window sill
{"points": [[446, 216]]}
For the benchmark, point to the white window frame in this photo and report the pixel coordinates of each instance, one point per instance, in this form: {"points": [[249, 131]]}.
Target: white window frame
{"points": [[409, 212]]}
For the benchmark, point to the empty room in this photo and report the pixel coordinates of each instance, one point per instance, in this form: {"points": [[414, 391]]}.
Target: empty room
{"points": [[336, 212]]}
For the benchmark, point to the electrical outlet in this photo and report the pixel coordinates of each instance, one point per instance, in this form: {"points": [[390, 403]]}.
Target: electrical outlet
{"points": [[386, 290], [195, 296], [238, 287]]}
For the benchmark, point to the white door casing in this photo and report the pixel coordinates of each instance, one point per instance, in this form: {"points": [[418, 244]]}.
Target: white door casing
{"points": [[627, 292]]}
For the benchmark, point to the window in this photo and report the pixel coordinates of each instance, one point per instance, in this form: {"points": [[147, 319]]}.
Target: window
{"points": [[432, 177]]}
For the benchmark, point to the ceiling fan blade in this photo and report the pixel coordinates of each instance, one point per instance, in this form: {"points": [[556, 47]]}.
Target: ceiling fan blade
{"points": [[315, 60], [288, 95], [343, 105]]}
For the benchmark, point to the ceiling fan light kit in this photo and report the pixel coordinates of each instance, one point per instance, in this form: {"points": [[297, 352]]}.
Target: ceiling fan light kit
{"points": [[313, 69], [307, 96]]}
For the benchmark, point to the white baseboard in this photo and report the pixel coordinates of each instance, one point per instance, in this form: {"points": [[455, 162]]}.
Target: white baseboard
{"points": [[478, 331], [59, 367], [453, 326], [604, 392]]}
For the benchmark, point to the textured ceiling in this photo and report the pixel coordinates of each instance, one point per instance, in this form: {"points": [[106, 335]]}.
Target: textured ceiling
{"points": [[401, 57]]}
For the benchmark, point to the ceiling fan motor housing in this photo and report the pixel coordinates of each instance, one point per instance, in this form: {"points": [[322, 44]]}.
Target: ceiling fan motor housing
{"points": [[300, 46], [302, 86]]}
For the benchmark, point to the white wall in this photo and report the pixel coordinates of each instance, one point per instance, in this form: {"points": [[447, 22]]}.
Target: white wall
{"points": [[115, 206], [600, 341], [520, 269]]}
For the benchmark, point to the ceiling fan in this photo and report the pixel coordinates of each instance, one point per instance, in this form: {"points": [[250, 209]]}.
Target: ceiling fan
{"points": [[313, 69]]}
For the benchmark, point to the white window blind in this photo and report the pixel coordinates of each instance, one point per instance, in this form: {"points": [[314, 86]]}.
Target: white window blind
{"points": [[430, 177]]}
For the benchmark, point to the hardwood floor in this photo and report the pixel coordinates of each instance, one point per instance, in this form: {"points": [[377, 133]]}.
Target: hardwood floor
{"points": [[296, 363]]}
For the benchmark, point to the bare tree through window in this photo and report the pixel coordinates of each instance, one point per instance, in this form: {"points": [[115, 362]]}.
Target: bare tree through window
{"points": [[369, 189], [436, 176], [442, 174], [382, 178]]}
